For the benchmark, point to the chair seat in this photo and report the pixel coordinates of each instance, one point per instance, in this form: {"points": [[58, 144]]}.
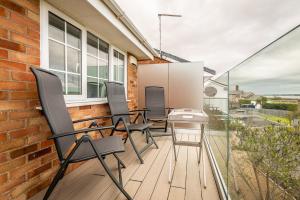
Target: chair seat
{"points": [[105, 146]]}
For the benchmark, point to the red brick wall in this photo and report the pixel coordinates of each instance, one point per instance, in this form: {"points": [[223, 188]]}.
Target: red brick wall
{"points": [[28, 160], [156, 60]]}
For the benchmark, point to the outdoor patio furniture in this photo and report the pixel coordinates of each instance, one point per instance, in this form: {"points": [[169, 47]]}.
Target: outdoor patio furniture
{"points": [[72, 149], [156, 110], [121, 116], [187, 115]]}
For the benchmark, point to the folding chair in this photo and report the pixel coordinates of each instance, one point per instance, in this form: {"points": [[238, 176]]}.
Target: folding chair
{"points": [[119, 110], [71, 149], [155, 107]]}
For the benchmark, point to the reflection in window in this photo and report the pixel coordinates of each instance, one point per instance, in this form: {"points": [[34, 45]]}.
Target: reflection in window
{"points": [[65, 53], [97, 66]]}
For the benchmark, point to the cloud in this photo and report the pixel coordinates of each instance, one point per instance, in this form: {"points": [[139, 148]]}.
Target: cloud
{"points": [[219, 32]]}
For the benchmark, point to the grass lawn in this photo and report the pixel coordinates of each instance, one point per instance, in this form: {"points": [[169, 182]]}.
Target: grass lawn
{"points": [[282, 120]]}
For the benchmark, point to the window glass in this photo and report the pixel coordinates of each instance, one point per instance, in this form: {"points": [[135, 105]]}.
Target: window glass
{"points": [[92, 87], [74, 84], [73, 36], [92, 66], [74, 60], [56, 28], [97, 66], [118, 65], [92, 44], [65, 53], [56, 55], [103, 50]]}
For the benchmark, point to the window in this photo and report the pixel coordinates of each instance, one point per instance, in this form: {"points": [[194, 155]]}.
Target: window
{"points": [[97, 66], [79, 57], [118, 63], [65, 53]]}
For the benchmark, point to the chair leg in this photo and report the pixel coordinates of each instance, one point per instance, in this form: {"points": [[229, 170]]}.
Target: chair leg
{"points": [[149, 133], [56, 179], [108, 171], [166, 126], [119, 160], [135, 149]]}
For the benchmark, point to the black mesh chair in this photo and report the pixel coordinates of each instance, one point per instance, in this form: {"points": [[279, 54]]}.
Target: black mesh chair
{"points": [[71, 149], [155, 107], [121, 116]]}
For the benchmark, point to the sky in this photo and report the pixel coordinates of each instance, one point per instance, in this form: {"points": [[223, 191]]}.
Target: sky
{"points": [[221, 33]]}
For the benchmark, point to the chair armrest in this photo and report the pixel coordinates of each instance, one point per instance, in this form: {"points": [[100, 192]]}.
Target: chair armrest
{"points": [[169, 108], [122, 114], [140, 110], [85, 130], [92, 118]]}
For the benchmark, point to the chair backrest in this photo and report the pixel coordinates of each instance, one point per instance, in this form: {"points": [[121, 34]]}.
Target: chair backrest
{"points": [[54, 108], [155, 101], [117, 100]]}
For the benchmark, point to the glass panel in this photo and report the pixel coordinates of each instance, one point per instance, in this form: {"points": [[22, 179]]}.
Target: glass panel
{"points": [[92, 66], [121, 74], [103, 69], [74, 84], [56, 55], [73, 36], [254, 131], [115, 72], [92, 46], [74, 60], [115, 64], [103, 50], [56, 27], [61, 76], [92, 87], [102, 89]]}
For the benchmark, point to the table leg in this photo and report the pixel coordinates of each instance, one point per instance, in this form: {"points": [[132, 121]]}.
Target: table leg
{"points": [[201, 154], [173, 139]]}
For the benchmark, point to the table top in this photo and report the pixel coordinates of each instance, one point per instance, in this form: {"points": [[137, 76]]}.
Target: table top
{"points": [[188, 115]]}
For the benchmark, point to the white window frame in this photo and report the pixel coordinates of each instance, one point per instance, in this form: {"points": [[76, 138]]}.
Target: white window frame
{"points": [[112, 66], [45, 8]]}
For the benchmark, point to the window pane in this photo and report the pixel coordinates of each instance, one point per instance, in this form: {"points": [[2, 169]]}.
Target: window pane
{"points": [[121, 74], [92, 42], [56, 55], [74, 60], [56, 27], [92, 87], [102, 89], [92, 66], [103, 50], [73, 36], [103, 69], [61, 76], [74, 84]]}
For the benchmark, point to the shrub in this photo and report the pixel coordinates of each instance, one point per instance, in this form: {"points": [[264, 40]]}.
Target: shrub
{"points": [[281, 106], [244, 101]]}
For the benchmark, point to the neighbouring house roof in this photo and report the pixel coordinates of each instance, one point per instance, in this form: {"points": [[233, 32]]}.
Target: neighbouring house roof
{"points": [[172, 57]]}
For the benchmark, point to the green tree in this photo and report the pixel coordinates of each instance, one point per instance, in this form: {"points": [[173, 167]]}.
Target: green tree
{"points": [[276, 152]]}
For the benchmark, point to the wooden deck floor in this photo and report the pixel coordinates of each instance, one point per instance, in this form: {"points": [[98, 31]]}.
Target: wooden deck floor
{"points": [[143, 182]]}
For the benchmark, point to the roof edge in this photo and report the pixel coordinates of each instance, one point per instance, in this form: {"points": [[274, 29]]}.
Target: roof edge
{"points": [[116, 9]]}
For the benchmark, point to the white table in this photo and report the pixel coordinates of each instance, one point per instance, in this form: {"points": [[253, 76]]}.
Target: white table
{"points": [[192, 116]]}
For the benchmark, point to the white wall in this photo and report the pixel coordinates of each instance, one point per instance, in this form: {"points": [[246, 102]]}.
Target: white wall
{"points": [[183, 83]]}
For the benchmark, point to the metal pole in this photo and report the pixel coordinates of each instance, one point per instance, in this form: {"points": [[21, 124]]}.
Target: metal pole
{"points": [[159, 17]]}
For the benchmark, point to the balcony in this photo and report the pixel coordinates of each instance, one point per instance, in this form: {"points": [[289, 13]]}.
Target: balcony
{"points": [[254, 123], [147, 181]]}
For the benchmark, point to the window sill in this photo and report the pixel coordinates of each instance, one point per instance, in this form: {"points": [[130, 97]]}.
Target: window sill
{"points": [[82, 103]]}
